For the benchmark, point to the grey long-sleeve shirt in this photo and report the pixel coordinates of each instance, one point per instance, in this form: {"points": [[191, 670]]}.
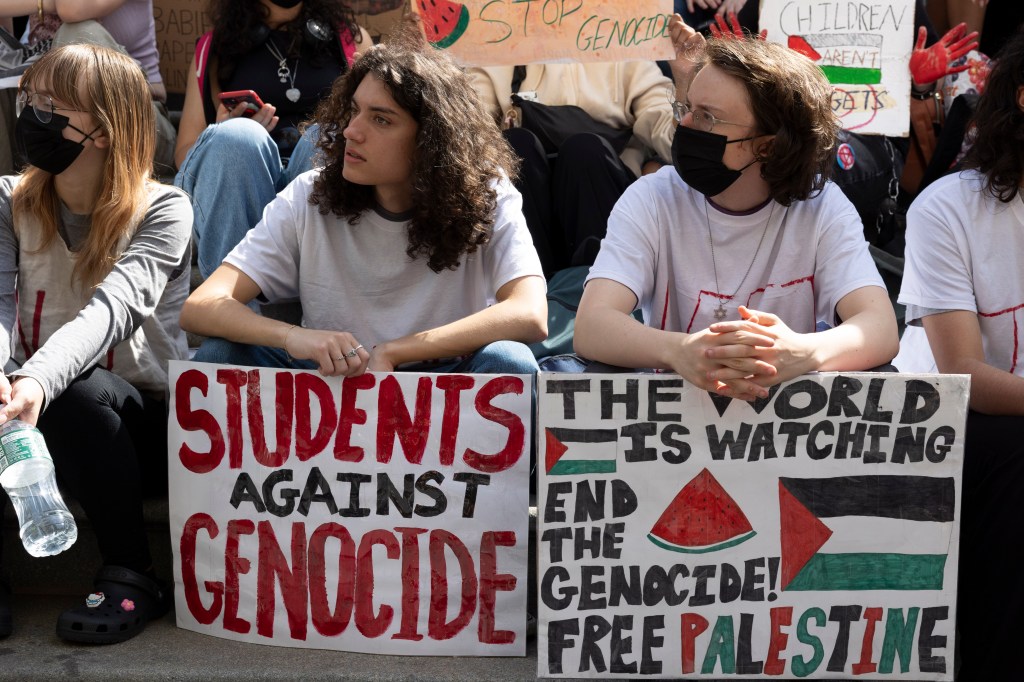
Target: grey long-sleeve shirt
{"points": [[150, 279]]}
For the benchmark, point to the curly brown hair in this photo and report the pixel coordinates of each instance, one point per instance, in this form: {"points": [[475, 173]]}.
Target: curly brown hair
{"points": [[792, 100], [460, 152], [237, 27], [998, 149]]}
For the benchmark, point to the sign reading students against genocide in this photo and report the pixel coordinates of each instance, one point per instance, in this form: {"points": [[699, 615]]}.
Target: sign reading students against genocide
{"points": [[509, 32], [812, 533], [385, 513], [863, 46]]}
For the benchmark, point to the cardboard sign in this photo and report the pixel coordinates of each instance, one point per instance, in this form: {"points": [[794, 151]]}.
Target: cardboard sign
{"points": [[810, 534], [178, 24], [864, 49], [385, 513], [503, 32]]}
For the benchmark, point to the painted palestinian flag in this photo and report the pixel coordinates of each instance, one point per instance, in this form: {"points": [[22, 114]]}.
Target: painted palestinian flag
{"points": [[580, 451], [845, 58], [884, 532], [702, 518]]}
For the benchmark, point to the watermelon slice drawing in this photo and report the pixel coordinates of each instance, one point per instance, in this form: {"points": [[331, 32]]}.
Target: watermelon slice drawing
{"points": [[444, 22], [702, 518]]}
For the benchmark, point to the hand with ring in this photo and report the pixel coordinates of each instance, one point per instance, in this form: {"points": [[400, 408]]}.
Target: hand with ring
{"points": [[337, 353]]}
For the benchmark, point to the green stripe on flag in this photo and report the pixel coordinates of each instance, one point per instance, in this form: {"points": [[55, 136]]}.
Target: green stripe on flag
{"points": [[852, 75], [582, 466], [871, 571]]}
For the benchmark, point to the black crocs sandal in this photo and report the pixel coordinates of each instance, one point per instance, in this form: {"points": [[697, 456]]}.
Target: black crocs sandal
{"points": [[124, 601]]}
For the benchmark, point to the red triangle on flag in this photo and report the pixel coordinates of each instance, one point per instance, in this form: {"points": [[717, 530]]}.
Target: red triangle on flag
{"points": [[799, 44], [554, 450], [802, 534]]}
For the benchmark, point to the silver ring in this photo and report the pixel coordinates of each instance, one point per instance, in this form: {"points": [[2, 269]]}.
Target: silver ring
{"points": [[352, 353]]}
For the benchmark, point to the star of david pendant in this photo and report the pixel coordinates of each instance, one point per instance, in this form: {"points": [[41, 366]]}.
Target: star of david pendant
{"points": [[720, 312]]}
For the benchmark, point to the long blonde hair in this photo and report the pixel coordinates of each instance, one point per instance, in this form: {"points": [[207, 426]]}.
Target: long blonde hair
{"points": [[112, 87]]}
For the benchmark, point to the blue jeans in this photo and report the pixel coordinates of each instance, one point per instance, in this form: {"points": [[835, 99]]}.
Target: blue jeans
{"points": [[233, 170], [500, 357]]}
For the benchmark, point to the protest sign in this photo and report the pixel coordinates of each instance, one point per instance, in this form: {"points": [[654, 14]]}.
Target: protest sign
{"points": [[509, 32], [812, 533], [863, 48], [385, 513]]}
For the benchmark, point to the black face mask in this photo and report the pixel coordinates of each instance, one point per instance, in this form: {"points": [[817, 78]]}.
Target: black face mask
{"points": [[286, 4], [698, 156], [43, 144]]}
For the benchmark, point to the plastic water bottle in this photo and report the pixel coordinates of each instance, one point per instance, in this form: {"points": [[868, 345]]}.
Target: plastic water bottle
{"points": [[26, 473]]}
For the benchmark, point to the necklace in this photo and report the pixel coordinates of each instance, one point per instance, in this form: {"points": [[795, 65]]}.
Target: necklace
{"points": [[719, 312], [284, 73]]}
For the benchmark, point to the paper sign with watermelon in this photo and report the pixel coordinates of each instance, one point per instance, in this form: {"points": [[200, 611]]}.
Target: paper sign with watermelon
{"points": [[580, 451], [444, 22], [913, 513], [847, 58], [702, 518]]}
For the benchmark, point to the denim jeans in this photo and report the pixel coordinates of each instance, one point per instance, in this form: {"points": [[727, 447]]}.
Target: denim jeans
{"points": [[500, 357], [233, 170]]}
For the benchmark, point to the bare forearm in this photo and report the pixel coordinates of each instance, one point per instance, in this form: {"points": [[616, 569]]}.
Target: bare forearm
{"points": [[866, 340], [993, 391], [68, 10], [615, 338], [229, 319], [506, 320]]}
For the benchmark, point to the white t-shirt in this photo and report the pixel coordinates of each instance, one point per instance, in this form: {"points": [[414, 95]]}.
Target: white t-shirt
{"points": [[965, 251], [813, 254], [358, 278]]}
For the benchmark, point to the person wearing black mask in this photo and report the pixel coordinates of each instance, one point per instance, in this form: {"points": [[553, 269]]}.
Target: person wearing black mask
{"points": [[749, 266]]}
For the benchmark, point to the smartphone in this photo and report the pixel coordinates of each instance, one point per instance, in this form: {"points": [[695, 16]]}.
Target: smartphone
{"points": [[232, 99]]}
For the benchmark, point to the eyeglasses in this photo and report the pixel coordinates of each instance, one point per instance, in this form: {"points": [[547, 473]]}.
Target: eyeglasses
{"points": [[42, 105], [702, 120]]}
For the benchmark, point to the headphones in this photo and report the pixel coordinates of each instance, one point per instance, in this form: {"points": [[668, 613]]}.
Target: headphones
{"points": [[314, 34]]}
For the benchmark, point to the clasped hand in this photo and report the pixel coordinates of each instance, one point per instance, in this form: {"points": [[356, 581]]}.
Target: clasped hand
{"points": [[740, 359]]}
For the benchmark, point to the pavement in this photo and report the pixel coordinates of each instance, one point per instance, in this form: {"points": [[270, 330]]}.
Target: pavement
{"points": [[165, 652]]}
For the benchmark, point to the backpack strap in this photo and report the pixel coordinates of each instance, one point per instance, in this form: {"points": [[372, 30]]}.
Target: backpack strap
{"points": [[348, 43], [203, 56]]}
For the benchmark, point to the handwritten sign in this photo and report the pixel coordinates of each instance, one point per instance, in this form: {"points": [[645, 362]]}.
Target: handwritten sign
{"points": [[812, 533], [385, 513], [864, 49], [503, 32]]}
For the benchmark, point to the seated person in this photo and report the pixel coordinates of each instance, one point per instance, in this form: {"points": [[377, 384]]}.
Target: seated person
{"points": [[94, 267], [963, 287], [568, 191], [739, 252], [126, 25], [408, 249], [289, 53]]}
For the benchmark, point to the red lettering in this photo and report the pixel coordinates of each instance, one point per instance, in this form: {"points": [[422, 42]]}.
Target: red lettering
{"points": [[235, 565], [233, 380], [273, 567], [780, 617], [393, 420], [872, 615], [307, 443], [349, 415], [513, 450], [326, 622], [437, 628], [410, 584], [284, 404], [490, 582], [452, 385], [188, 569], [692, 626], [370, 625], [197, 420]]}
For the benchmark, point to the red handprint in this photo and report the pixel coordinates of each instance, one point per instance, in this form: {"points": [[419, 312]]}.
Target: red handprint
{"points": [[928, 65], [732, 30]]}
